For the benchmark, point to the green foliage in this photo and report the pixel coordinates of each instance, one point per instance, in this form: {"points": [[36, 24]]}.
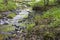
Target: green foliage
{"points": [[2, 7], [10, 5], [6, 28], [30, 26], [11, 15], [55, 14], [39, 3], [1, 1], [46, 24], [42, 2], [43, 25], [52, 2], [50, 34]]}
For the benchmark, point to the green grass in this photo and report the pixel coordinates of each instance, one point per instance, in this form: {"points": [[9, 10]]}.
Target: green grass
{"points": [[55, 14]]}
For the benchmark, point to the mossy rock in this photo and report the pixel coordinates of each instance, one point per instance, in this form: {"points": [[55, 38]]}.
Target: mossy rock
{"points": [[11, 15]]}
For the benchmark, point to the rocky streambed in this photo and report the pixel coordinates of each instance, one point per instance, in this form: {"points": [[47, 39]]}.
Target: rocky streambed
{"points": [[16, 23]]}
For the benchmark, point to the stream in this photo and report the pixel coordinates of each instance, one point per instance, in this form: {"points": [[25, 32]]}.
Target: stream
{"points": [[21, 14]]}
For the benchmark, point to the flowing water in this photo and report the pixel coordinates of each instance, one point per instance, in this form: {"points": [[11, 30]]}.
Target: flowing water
{"points": [[21, 15]]}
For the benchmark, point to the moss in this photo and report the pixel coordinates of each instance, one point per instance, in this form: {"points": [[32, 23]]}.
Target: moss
{"points": [[11, 15]]}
